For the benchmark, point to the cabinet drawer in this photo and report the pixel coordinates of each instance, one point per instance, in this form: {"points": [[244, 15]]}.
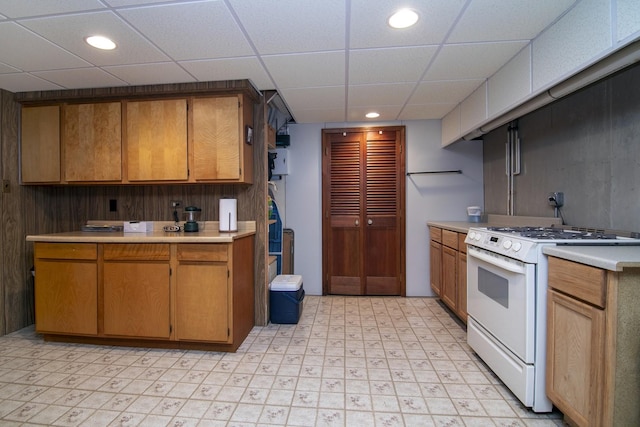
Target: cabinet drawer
{"points": [[66, 250], [462, 246], [203, 252], [136, 252], [450, 239], [581, 281], [436, 234]]}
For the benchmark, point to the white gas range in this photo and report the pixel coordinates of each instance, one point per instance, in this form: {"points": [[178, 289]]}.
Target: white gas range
{"points": [[507, 305]]}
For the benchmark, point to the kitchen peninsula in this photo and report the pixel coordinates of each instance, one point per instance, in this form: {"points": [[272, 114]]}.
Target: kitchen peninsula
{"points": [[153, 289]]}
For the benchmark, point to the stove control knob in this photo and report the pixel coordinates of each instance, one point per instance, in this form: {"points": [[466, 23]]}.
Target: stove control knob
{"points": [[506, 244], [472, 235], [517, 246], [478, 236]]}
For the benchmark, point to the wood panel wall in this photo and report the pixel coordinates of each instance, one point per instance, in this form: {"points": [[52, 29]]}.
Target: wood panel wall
{"points": [[29, 210]]}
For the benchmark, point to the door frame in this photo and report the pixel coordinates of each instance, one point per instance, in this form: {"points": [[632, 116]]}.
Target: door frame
{"points": [[402, 196]]}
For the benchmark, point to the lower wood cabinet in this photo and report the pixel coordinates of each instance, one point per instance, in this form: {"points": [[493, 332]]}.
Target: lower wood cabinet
{"points": [[203, 283], [66, 288], [448, 266], [576, 345], [449, 276], [593, 319], [178, 295], [137, 290], [461, 304], [435, 259]]}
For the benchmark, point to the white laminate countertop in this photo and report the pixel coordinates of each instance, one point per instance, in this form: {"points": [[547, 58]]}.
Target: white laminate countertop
{"points": [[614, 258], [210, 234]]}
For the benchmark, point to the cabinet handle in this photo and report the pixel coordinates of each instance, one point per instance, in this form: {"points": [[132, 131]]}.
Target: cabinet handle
{"points": [[357, 222], [370, 222]]}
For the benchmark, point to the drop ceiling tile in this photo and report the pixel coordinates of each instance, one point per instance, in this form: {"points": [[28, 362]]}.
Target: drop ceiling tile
{"points": [[330, 97], [211, 31], [387, 112], [447, 91], [69, 31], [24, 82], [425, 111], [319, 116], [23, 8], [489, 20], [369, 28], [230, 69], [389, 65], [80, 78], [628, 14], [7, 69], [34, 52], [510, 84], [296, 26], [142, 74], [118, 3], [562, 49], [472, 61], [307, 69], [380, 94]]}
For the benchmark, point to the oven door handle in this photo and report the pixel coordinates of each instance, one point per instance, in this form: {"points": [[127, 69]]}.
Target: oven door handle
{"points": [[498, 262]]}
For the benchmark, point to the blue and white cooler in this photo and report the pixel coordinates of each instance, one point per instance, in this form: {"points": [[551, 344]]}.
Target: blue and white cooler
{"points": [[286, 294]]}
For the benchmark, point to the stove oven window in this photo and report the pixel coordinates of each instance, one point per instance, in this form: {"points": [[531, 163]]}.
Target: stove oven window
{"points": [[494, 286]]}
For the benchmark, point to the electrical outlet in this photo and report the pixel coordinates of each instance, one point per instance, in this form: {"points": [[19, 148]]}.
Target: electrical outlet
{"points": [[556, 199], [176, 205]]}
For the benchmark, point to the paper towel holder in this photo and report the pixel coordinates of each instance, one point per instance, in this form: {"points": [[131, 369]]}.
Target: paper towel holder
{"points": [[228, 215]]}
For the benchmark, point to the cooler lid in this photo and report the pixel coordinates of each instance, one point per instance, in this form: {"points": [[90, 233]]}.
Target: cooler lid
{"points": [[286, 282]]}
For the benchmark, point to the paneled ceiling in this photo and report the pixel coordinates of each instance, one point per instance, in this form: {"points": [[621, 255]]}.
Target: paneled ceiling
{"points": [[330, 60]]}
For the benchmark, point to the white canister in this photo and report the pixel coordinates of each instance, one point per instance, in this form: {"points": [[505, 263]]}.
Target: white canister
{"points": [[474, 213], [228, 215]]}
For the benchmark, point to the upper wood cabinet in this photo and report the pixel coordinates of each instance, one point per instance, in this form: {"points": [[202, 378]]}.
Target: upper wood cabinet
{"points": [[92, 142], [40, 157], [156, 140], [221, 147], [187, 139]]}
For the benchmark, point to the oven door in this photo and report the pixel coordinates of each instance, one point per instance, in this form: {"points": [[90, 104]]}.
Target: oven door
{"points": [[501, 298]]}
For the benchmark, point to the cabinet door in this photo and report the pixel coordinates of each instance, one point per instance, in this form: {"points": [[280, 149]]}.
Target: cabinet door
{"points": [[575, 349], [449, 276], [217, 138], [462, 286], [40, 144], [92, 141], [66, 296], [435, 267], [202, 302], [156, 140], [137, 299]]}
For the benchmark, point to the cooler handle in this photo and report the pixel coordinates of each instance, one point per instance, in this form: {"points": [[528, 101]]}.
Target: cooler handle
{"points": [[297, 301]]}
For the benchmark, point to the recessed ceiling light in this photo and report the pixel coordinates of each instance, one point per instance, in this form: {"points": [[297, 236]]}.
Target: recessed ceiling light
{"points": [[403, 18], [100, 42], [372, 115]]}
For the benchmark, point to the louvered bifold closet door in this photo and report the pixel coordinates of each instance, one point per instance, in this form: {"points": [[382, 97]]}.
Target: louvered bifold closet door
{"points": [[382, 214], [363, 218], [342, 202]]}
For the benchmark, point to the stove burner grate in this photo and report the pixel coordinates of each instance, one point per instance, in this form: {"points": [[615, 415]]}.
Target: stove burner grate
{"points": [[548, 233]]}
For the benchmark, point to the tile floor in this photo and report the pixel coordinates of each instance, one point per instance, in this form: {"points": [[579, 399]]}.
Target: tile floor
{"points": [[350, 361]]}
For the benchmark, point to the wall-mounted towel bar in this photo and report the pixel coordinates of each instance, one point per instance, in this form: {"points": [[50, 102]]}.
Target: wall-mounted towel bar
{"points": [[429, 172]]}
